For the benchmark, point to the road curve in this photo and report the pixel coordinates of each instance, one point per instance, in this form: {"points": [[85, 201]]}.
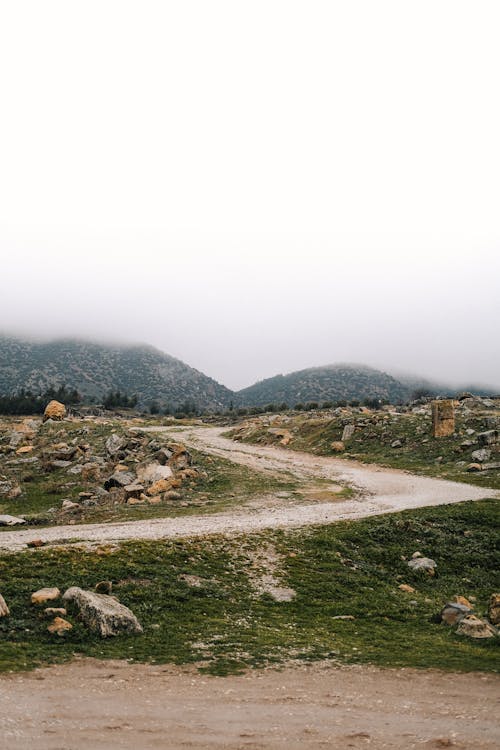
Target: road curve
{"points": [[379, 490]]}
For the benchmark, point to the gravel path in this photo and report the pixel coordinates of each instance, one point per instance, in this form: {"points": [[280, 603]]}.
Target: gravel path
{"points": [[379, 490]]}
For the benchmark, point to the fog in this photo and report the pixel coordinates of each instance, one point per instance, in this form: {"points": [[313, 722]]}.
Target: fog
{"points": [[256, 188]]}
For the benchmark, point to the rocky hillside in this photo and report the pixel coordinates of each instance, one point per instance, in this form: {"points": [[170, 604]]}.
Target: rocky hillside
{"points": [[95, 369], [329, 383]]}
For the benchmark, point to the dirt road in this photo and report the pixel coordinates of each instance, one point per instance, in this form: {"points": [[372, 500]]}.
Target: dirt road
{"points": [[379, 490], [104, 705]]}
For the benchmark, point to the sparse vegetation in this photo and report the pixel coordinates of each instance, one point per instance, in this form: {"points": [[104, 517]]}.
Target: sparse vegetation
{"points": [[224, 624]]}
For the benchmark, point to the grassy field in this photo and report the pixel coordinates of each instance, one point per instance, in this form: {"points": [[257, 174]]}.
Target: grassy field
{"points": [[225, 624]]}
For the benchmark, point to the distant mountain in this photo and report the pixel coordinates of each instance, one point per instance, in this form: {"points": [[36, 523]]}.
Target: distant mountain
{"points": [[329, 383], [95, 369], [423, 386]]}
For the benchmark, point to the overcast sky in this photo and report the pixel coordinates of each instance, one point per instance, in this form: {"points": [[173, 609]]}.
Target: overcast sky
{"points": [[256, 187]]}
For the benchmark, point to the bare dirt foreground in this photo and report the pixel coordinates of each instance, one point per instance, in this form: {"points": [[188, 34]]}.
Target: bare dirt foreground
{"points": [[101, 705], [378, 490]]}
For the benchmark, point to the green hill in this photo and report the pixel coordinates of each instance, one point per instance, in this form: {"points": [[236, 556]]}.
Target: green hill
{"points": [[95, 369]]}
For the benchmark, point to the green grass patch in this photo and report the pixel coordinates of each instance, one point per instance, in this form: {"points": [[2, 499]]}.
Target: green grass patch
{"points": [[225, 625]]}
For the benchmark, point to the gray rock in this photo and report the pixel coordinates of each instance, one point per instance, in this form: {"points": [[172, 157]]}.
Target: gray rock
{"points": [[163, 455], [10, 520], [348, 432], [103, 614], [5, 487], [490, 437], [119, 479], [153, 472], [453, 612], [481, 455], [60, 464], [396, 444], [115, 443]]}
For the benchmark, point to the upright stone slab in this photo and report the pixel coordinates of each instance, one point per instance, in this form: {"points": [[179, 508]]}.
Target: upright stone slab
{"points": [[443, 418]]}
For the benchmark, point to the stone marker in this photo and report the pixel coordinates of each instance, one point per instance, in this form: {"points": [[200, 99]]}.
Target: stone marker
{"points": [[54, 410], [443, 418]]}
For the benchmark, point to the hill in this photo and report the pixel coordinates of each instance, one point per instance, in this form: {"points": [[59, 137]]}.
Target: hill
{"points": [[329, 383], [95, 369]]}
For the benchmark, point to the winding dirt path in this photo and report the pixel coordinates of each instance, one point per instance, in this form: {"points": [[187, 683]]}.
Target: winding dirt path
{"points": [[378, 490]]}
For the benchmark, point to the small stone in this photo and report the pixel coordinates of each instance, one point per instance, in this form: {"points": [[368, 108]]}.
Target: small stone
{"points": [[115, 443], [4, 610], [474, 467], [474, 627], [59, 626], [396, 444], [337, 446], [54, 611], [462, 600], [343, 617], [35, 543], [103, 614], [494, 609], [482, 455], [69, 505], [172, 495], [422, 563], [406, 587], [45, 595], [453, 612]]}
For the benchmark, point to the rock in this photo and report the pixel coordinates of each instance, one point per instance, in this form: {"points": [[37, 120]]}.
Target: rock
{"points": [[60, 464], [136, 501], [443, 418], [464, 601], [153, 472], [422, 563], [474, 627], [54, 611], [348, 432], [14, 492], [172, 495], [6, 520], [4, 610], [69, 505], [91, 472], [24, 449], [45, 595], [55, 411], [104, 587], [482, 455], [491, 466], [59, 626], [473, 467], [494, 609], [406, 587], [453, 612], [337, 446], [115, 443], [163, 456], [181, 458], [490, 437], [396, 444], [134, 490], [35, 543], [162, 485], [343, 617], [119, 479], [103, 614]]}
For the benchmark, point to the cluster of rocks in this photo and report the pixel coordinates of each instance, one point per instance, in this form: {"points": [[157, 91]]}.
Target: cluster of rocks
{"points": [[459, 613], [471, 423], [129, 467], [101, 613]]}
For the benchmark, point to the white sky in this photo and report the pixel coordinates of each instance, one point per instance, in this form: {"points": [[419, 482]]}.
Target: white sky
{"points": [[256, 187]]}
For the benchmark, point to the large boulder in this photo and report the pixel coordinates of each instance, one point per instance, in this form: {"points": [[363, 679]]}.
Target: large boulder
{"points": [[453, 612], [425, 564], [103, 614], [119, 479], [6, 520], [54, 410]]}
